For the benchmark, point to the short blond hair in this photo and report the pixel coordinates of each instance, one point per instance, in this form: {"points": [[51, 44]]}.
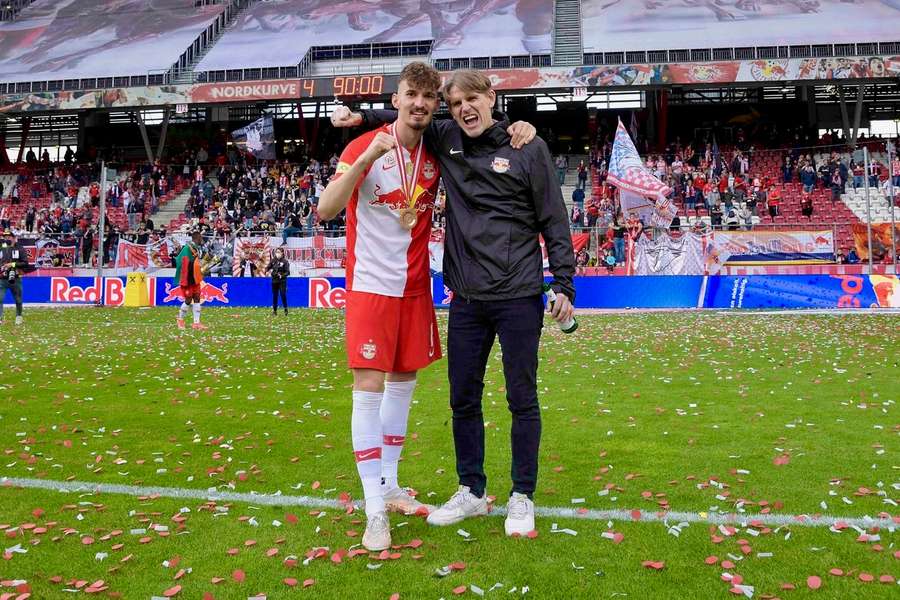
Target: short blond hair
{"points": [[467, 80]]}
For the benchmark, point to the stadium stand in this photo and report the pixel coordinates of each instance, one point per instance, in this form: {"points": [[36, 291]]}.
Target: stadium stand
{"points": [[280, 33], [642, 31], [63, 41]]}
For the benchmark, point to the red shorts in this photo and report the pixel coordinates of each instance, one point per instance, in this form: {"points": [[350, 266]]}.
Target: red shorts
{"points": [[191, 291], [393, 335]]}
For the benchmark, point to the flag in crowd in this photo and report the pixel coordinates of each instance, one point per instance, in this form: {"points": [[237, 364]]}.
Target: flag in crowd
{"points": [[640, 191]]}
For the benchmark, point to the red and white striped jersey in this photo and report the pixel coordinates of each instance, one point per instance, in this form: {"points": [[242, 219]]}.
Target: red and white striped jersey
{"points": [[383, 257]]}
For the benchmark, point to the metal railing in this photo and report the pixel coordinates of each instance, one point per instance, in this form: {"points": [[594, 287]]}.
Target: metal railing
{"points": [[619, 57]]}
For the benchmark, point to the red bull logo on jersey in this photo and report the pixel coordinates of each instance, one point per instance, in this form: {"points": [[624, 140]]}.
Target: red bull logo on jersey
{"points": [[208, 293], [396, 199]]}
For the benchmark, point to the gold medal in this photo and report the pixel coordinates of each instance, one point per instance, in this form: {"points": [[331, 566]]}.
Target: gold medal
{"points": [[408, 218]]}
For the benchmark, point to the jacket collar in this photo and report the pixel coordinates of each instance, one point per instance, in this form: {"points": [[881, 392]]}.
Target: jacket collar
{"points": [[495, 135]]}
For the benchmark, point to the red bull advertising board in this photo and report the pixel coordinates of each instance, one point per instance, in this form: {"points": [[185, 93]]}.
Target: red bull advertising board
{"points": [[608, 292]]}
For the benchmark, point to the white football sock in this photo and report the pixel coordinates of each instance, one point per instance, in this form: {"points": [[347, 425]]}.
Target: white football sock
{"points": [[394, 418], [365, 429], [196, 307], [182, 311]]}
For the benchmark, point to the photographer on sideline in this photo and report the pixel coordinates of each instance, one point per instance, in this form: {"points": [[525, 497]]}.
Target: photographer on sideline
{"points": [[12, 265]]}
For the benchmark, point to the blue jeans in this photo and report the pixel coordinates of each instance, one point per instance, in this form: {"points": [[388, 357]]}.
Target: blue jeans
{"points": [[289, 232], [620, 249], [470, 336], [857, 181]]}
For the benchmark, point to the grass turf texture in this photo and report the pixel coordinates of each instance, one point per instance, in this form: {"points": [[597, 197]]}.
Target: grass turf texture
{"points": [[786, 414]]}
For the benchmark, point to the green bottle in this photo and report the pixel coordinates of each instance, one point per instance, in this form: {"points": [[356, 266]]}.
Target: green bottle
{"points": [[567, 326]]}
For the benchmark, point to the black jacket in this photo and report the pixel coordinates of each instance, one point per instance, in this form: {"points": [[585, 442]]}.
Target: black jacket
{"points": [[280, 269], [12, 254], [498, 201]]}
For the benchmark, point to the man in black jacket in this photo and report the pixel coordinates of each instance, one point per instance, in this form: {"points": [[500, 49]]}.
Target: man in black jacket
{"points": [[280, 269], [499, 200], [12, 265]]}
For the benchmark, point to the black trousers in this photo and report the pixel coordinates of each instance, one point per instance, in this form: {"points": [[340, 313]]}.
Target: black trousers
{"points": [[472, 329], [15, 286], [279, 287]]}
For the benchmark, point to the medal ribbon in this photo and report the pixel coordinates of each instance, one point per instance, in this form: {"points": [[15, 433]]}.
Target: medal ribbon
{"points": [[408, 183]]}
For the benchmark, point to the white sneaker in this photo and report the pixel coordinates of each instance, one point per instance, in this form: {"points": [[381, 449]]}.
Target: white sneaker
{"points": [[401, 501], [18, 319], [519, 515], [461, 505], [378, 533]]}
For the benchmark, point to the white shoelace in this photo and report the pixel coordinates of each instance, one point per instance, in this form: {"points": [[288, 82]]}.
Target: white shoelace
{"points": [[457, 499], [379, 523], [517, 508]]}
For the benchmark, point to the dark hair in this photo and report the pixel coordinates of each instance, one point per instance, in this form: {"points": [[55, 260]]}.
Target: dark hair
{"points": [[421, 76]]}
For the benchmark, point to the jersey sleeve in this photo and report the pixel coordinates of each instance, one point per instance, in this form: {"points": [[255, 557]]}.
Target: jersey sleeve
{"points": [[351, 153]]}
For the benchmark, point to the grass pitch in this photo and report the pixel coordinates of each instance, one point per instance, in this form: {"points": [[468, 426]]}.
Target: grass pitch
{"points": [[707, 414]]}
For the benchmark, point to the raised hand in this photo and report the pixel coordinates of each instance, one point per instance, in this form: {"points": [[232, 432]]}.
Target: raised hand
{"points": [[380, 145], [342, 116]]}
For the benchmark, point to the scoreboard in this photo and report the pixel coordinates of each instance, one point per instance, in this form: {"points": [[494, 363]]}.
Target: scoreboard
{"points": [[348, 86]]}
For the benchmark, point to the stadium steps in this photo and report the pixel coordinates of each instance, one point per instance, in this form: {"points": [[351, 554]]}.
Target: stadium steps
{"points": [[186, 75], [172, 213], [878, 202], [567, 42], [571, 181]]}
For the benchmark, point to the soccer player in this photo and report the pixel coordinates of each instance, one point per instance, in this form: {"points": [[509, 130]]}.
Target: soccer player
{"points": [[499, 198], [189, 276], [387, 181]]}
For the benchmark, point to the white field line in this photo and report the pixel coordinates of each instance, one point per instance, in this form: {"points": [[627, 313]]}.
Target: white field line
{"points": [[543, 511]]}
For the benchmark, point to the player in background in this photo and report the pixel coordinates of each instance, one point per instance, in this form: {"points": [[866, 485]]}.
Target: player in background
{"points": [[189, 276], [387, 181]]}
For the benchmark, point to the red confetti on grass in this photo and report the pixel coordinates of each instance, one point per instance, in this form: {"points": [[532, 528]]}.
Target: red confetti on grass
{"points": [[232, 551], [636, 515], [711, 560], [814, 582], [886, 579], [459, 590], [836, 572], [291, 518], [654, 564], [87, 540], [238, 575], [290, 581], [308, 582], [271, 552], [727, 564], [394, 597], [316, 485], [457, 566], [217, 580], [172, 591], [866, 577], [532, 534]]}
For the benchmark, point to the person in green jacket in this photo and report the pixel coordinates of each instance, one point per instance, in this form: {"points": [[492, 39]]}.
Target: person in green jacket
{"points": [[189, 277]]}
